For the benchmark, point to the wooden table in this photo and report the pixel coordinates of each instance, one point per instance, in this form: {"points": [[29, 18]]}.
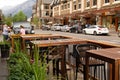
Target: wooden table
{"points": [[31, 37], [59, 42], [13, 37], [110, 55]]}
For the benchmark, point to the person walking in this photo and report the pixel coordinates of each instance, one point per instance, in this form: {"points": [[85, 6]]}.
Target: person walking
{"points": [[22, 30], [5, 32]]}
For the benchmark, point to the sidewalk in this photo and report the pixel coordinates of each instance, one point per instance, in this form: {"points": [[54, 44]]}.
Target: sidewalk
{"points": [[3, 70], [3, 67]]}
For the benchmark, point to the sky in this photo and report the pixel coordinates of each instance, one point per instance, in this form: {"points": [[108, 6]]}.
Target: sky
{"points": [[4, 3]]}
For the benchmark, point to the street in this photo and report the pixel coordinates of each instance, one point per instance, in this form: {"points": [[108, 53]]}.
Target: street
{"points": [[111, 38]]}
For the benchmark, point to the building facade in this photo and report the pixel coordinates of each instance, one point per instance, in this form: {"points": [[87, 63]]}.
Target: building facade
{"points": [[44, 11], [100, 12]]}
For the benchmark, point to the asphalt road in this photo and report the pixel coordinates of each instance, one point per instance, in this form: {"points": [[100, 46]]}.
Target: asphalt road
{"points": [[111, 38]]}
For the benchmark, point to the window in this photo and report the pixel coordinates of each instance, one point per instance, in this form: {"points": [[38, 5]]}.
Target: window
{"points": [[65, 6], [46, 6], [68, 5], [62, 7], [117, 0], [94, 2], [107, 1], [87, 3], [47, 13], [74, 7], [79, 4]]}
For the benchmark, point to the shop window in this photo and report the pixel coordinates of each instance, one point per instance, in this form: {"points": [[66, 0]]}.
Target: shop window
{"points": [[94, 2], [107, 1], [87, 3]]}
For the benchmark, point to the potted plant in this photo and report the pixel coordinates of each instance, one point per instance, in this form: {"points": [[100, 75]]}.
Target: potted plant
{"points": [[5, 48]]}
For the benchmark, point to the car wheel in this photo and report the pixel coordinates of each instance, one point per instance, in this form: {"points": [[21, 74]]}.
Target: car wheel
{"points": [[118, 33], [76, 31], [95, 33], [84, 32]]}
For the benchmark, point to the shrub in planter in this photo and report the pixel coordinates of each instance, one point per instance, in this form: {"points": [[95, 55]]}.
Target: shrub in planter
{"points": [[5, 49]]}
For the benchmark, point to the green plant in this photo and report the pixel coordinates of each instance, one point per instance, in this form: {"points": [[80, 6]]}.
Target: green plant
{"points": [[21, 68], [5, 43]]}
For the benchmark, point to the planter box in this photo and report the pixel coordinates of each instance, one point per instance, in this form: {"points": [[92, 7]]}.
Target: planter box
{"points": [[5, 50]]}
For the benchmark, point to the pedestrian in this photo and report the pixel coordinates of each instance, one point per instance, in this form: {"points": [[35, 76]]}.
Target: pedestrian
{"points": [[5, 32], [10, 32], [22, 30]]}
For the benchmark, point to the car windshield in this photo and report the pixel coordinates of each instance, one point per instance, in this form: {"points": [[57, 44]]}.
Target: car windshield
{"points": [[101, 27]]}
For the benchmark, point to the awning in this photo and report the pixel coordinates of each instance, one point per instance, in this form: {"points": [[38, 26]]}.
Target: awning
{"points": [[50, 22]]}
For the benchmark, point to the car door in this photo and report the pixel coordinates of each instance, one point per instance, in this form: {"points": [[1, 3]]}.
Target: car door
{"points": [[91, 29]]}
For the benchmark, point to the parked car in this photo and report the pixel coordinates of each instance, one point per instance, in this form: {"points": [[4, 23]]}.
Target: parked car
{"points": [[56, 27], [96, 29], [27, 26], [45, 27], [76, 29], [65, 28]]}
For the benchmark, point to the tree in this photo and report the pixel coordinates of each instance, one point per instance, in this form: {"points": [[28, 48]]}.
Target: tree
{"points": [[36, 21], [8, 20], [20, 16]]}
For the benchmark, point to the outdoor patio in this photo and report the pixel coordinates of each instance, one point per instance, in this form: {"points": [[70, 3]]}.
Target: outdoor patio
{"points": [[67, 65]]}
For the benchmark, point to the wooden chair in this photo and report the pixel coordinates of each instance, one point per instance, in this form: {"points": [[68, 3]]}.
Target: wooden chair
{"points": [[79, 55], [54, 56]]}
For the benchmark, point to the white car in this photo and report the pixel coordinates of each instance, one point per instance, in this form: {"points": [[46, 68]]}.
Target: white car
{"points": [[65, 28], [56, 27], [96, 29]]}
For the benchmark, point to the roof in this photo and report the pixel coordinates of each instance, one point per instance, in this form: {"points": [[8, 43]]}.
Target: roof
{"points": [[47, 1], [54, 2]]}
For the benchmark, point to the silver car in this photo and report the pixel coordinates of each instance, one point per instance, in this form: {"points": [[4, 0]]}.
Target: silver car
{"points": [[65, 28], [56, 27]]}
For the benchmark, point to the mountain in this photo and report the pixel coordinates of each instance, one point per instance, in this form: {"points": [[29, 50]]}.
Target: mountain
{"points": [[26, 7]]}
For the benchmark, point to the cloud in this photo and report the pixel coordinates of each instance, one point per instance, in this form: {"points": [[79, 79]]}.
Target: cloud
{"points": [[4, 3]]}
